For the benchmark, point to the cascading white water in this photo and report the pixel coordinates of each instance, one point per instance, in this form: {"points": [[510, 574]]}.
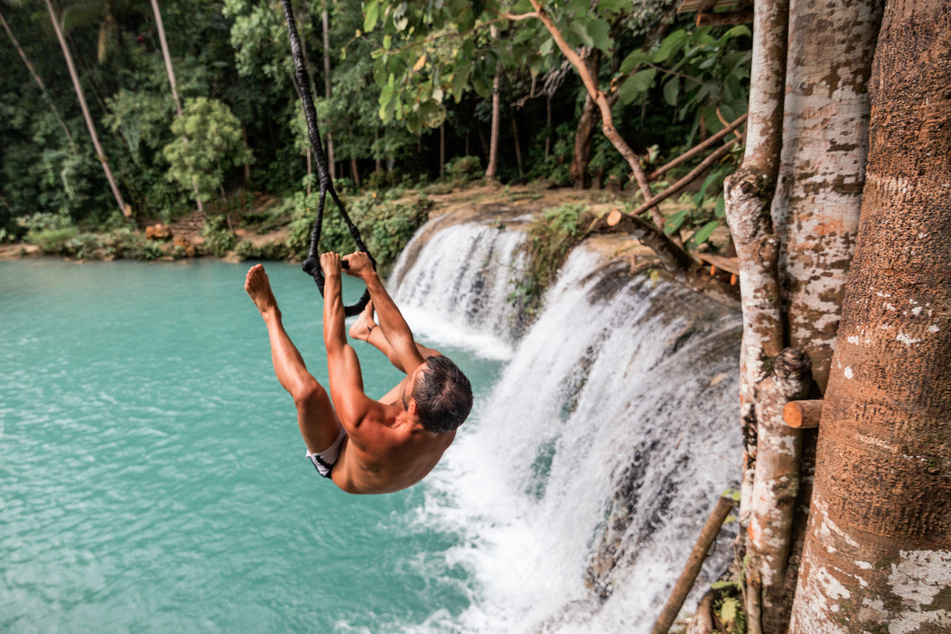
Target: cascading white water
{"points": [[580, 486], [456, 287]]}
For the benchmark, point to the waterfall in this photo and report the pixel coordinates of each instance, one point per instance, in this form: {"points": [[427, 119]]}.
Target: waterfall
{"points": [[579, 487], [454, 286]]}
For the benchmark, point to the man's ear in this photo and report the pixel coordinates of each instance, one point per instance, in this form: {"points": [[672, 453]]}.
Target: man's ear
{"points": [[411, 408]]}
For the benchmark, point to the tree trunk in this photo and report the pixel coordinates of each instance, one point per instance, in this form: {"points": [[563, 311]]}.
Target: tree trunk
{"points": [[325, 24], [39, 82], [815, 213], [442, 148], [587, 124], [170, 71], [748, 193], [518, 147], [590, 115], [822, 172], [547, 126], [491, 172], [100, 154], [878, 551]]}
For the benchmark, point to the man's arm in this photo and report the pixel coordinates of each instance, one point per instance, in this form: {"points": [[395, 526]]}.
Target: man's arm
{"points": [[346, 380], [397, 331]]}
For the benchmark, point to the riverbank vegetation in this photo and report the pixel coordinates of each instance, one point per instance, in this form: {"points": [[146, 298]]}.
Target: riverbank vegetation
{"points": [[193, 109]]}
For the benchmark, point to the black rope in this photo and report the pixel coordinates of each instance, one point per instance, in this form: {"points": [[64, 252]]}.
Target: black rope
{"points": [[312, 264]]}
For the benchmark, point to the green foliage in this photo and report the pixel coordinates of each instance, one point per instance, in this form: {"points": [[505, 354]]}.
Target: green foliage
{"points": [[700, 73], [52, 241], [41, 221], [462, 169], [217, 238], [551, 236], [555, 169], [208, 142], [730, 612], [131, 245], [247, 250], [386, 225]]}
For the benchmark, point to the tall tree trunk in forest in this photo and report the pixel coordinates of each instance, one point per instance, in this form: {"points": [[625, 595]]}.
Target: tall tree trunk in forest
{"points": [[491, 171], [170, 71], [518, 147], [878, 551], [748, 193], [547, 126], [39, 82], [822, 173], [378, 165], [325, 25], [442, 148], [815, 214], [100, 154], [590, 115], [587, 124]]}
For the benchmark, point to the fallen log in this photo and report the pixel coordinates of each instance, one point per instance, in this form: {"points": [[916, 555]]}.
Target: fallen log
{"points": [[679, 594]]}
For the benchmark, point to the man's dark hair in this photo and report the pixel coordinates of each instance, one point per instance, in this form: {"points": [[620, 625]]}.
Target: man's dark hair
{"points": [[443, 395]]}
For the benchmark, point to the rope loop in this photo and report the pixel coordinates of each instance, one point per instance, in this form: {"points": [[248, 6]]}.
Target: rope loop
{"points": [[311, 264]]}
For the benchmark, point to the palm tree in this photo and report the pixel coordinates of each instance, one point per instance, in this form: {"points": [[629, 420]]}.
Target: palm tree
{"points": [[171, 79], [90, 124], [38, 80]]}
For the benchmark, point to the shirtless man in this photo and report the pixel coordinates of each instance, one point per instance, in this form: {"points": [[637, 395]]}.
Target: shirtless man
{"points": [[366, 446]]}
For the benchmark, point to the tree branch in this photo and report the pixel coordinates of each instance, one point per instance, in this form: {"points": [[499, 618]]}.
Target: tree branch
{"points": [[607, 124], [686, 180], [686, 156]]}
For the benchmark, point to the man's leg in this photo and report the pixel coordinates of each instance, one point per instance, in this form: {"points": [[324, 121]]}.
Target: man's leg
{"points": [[315, 414], [366, 329]]}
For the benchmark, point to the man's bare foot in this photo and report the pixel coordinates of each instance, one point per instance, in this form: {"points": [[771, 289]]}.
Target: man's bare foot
{"points": [[364, 324], [259, 288]]}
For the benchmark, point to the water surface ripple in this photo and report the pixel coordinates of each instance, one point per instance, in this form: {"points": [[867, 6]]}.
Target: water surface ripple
{"points": [[152, 474]]}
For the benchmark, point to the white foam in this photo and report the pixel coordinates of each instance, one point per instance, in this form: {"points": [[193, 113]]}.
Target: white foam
{"points": [[592, 390]]}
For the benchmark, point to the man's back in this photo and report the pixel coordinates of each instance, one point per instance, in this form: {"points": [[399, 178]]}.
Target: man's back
{"points": [[388, 451]]}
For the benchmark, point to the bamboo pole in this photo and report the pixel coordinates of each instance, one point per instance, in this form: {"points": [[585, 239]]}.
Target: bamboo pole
{"points": [[707, 534], [686, 180], [697, 149]]}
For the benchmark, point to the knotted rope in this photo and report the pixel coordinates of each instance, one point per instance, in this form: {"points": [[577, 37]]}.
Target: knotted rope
{"points": [[312, 264]]}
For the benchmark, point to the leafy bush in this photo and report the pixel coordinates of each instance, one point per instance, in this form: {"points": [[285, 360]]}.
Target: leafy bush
{"points": [[551, 236], [385, 225], [247, 250], [127, 244], [214, 143], [218, 240], [52, 240], [85, 246], [464, 168], [556, 167], [345, 186], [40, 221]]}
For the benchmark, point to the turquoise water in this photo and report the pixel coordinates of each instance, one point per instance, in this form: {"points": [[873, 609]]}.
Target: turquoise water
{"points": [[152, 477]]}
